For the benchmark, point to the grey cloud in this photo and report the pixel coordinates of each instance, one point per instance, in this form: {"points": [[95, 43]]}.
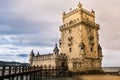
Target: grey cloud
{"points": [[23, 55], [18, 24], [13, 58], [31, 31], [111, 58]]}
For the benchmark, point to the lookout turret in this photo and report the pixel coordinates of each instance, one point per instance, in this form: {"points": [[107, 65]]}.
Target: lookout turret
{"points": [[31, 56], [56, 50]]}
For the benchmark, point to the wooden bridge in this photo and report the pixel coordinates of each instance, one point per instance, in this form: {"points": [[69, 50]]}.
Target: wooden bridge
{"points": [[30, 72]]}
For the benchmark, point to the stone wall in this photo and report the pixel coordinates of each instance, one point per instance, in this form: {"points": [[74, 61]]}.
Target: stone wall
{"points": [[53, 60]]}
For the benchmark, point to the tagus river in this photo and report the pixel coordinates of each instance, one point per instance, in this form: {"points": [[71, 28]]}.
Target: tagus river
{"points": [[90, 77]]}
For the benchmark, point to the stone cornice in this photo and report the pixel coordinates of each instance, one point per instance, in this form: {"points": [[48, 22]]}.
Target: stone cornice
{"points": [[65, 15], [49, 57], [92, 58], [88, 12], [76, 22]]}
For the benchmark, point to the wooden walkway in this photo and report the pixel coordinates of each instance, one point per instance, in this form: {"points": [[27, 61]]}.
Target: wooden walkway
{"points": [[29, 72]]}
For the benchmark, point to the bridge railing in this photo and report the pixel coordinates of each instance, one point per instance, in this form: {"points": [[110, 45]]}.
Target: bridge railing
{"points": [[28, 72]]}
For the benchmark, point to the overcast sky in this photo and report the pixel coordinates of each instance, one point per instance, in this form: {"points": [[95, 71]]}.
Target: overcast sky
{"points": [[34, 24]]}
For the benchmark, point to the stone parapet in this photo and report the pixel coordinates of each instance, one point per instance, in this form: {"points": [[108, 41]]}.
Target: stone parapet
{"points": [[77, 21], [70, 13], [88, 12], [65, 15], [49, 57]]}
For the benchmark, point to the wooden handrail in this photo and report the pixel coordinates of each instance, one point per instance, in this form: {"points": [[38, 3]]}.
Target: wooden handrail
{"points": [[30, 72]]}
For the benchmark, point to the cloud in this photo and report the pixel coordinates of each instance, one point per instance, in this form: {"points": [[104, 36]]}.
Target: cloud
{"points": [[111, 58], [23, 55], [13, 58], [14, 23]]}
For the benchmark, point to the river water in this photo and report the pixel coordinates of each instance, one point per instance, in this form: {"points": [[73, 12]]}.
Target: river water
{"points": [[98, 77], [65, 78], [90, 77]]}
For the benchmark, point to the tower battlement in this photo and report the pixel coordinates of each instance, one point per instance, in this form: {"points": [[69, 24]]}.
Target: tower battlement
{"points": [[65, 15], [49, 56], [77, 22]]}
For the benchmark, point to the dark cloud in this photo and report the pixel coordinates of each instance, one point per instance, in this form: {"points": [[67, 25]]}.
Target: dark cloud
{"points": [[23, 55]]}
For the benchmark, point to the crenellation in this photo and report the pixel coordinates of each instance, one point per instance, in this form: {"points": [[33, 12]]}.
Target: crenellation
{"points": [[77, 21], [92, 13], [90, 23], [70, 13], [70, 24]]}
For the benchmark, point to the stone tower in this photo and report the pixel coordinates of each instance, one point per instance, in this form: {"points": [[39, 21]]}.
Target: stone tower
{"points": [[80, 40]]}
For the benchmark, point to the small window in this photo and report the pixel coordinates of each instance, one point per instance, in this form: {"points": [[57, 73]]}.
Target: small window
{"points": [[70, 30], [70, 50], [82, 48], [91, 49], [60, 42]]}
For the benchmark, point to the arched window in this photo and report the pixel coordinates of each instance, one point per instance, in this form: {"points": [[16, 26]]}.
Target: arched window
{"points": [[70, 50], [91, 49]]}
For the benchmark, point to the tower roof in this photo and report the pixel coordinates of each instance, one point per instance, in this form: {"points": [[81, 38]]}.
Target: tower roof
{"points": [[38, 54], [79, 5], [56, 50], [32, 53]]}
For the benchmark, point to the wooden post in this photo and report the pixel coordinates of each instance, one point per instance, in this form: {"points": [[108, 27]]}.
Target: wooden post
{"points": [[49, 73], [3, 70], [41, 72], [19, 69], [3, 73], [26, 73], [34, 76], [30, 77], [9, 72]]}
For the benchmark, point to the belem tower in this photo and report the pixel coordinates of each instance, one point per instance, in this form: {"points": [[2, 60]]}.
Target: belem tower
{"points": [[80, 49]]}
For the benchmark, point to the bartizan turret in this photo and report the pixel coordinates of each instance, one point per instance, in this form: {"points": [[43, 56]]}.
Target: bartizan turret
{"points": [[56, 50], [31, 56]]}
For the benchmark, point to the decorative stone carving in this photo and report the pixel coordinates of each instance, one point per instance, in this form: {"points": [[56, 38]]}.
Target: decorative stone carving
{"points": [[91, 38], [70, 40], [71, 22], [82, 45]]}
